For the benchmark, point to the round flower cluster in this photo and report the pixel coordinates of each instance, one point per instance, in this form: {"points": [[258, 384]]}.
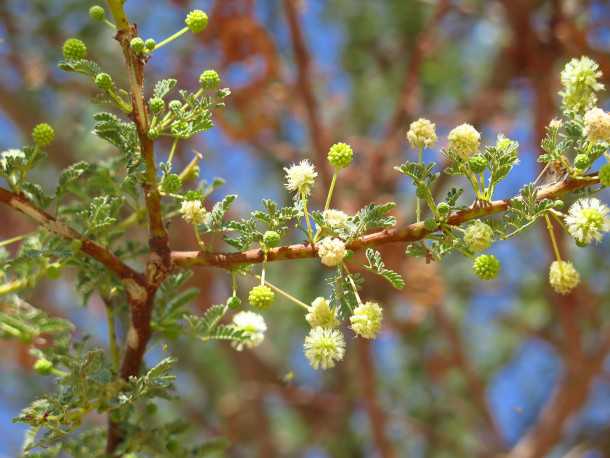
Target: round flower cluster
{"points": [[74, 49], [321, 315], [563, 277], [579, 79], [157, 105], [196, 21], [324, 347], [597, 125], [587, 220], [366, 320], [477, 163], [464, 140], [97, 13], [340, 155], [271, 239], [209, 79], [486, 266], [421, 134], [261, 297], [43, 134], [331, 251], [253, 326], [335, 218], [193, 212], [301, 177], [478, 236], [137, 45], [104, 81]]}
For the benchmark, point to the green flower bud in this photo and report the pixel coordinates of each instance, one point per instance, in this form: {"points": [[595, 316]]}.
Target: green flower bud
{"points": [[271, 239], [340, 155], [76, 245], [150, 44], [582, 162], [443, 208], [97, 13], [104, 81], [477, 163], [154, 133], [430, 224], [486, 267], [171, 183], [604, 175], [234, 302], [558, 204], [196, 21], [137, 45], [478, 236], [74, 49], [43, 366], [157, 105], [261, 297], [175, 105], [54, 271], [209, 79], [43, 134]]}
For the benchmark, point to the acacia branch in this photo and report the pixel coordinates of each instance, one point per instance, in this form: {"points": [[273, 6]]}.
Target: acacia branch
{"points": [[89, 247], [410, 233]]}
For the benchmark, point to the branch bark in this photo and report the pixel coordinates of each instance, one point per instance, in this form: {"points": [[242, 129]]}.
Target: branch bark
{"points": [[89, 247], [410, 233]]}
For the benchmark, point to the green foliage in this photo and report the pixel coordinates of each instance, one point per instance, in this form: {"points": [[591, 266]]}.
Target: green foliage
{"points": [[377, 266]]}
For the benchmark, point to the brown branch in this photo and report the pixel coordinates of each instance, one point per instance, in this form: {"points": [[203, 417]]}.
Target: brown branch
{"points": [[141, 299], [89, 247], [410, 233], [303, 62]]}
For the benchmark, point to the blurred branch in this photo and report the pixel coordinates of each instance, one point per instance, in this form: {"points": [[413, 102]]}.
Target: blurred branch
{"points": [[569, 397], [475, 385], [306, 90], [377, 417]]}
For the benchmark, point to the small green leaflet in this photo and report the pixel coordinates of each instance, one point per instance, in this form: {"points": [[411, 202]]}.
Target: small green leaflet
{"points": [[377, 266]]}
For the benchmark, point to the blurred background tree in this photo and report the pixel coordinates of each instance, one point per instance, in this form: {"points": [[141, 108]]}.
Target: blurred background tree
{"points": [[461, 369]]}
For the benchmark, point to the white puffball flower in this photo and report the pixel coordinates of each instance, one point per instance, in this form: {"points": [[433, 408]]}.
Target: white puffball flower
{"points": [[193, 212], [597, 125], [587, 220], [464, 140], [421, 134], [253, 326], [321, 315], [324, 347], [331, 251], [563, 277], [301, 177], [335, 218]]}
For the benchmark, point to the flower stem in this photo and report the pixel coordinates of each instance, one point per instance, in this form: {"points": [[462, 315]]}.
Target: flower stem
{"points": [[330, 191], [308, 223], [13, 240], [171, 38], [549, 227], [172, 151], [417, 200], [200, 242], [351, 281], [114, 349], [283, 293]]}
